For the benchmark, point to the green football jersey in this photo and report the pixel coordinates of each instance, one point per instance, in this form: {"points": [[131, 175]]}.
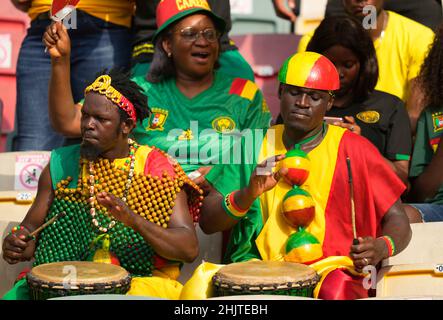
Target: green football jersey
{"points": [[429, 132], [200, 131]]}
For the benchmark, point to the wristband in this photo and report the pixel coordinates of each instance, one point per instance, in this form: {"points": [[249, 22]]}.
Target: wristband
{"points": [[390, 244], [232, 209]]}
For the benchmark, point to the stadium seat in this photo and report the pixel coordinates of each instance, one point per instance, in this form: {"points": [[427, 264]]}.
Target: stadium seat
{"points": [[266, 53], [418, 270]]}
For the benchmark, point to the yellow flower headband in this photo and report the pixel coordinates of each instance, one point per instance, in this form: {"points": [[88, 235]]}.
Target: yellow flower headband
{"points": [[102, 85]]}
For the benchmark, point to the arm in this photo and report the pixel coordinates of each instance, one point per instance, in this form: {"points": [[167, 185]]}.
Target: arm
{"points": [[214, 217], [426, 185], [395, 224], [282, 11], [177, 242], [64, 114], [400, 167], [415, 103], [15, 248]]}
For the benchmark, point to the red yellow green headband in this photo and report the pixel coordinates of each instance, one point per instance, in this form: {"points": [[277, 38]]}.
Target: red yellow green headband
{"points": [[102, 85], [309, 70]]}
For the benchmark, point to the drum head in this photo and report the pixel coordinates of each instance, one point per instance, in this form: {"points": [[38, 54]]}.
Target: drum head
{"points": [[266, 272], [84, 272]]}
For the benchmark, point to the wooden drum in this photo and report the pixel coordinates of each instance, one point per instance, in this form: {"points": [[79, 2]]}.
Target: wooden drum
{"points": [[72, 278], [265, 277]]}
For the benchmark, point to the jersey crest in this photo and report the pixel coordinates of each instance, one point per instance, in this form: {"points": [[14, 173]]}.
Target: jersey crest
{"points": [[369, 116], [157, 119]]}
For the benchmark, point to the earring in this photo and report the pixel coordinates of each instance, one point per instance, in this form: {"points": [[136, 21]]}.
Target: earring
{"points": [[169, 54]]}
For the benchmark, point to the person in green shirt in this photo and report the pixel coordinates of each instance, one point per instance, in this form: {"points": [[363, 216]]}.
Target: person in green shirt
{"points": [[197, 111], [426, 175]]}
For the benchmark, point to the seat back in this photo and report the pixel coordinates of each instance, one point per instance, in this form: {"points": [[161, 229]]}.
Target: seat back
{"points": [[418, 270]]}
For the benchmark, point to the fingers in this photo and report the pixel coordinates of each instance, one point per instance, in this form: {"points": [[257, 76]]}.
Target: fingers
{"points": [[280, 173], [350, 119], [282, 11], [271, 161]]}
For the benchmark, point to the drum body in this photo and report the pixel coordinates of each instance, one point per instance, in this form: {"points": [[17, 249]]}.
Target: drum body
{"points": [[265, 277], [72, 278]]}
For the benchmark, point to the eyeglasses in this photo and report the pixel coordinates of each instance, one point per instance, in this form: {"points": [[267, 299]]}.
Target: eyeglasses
{"points": [[190, 35]]}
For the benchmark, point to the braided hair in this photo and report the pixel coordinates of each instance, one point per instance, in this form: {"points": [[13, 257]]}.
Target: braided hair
{"points": [[431, 73]]}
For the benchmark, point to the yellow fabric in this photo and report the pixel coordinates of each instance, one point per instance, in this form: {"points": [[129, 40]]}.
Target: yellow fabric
{"points": [[272, 239], [157, 287], [302, 74], [329, 264], [400, 53], [199, 286], [249, 90], [115, 11]]}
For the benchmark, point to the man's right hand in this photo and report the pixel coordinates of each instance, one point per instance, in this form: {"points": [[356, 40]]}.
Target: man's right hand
{"points": [[56, 40], [16, 248], [22, 5], [263, 179]]}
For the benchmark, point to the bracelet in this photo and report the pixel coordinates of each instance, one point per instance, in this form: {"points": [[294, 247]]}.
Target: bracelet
{"points": [[390, 244], [231, 208]]}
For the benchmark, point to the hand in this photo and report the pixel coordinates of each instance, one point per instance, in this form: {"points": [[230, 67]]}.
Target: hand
{"points": [[16, 248], [369, 251], [282, 11], [201, 181], [22, 5], [350, 124], [263, 179], [117, 208], [57, 41]]}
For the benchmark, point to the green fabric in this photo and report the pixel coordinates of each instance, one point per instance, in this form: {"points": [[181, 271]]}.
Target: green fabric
{"points": [[62, 166], [200, 115], [233, 64], [429, 131], [20, 291], [227, 178]]}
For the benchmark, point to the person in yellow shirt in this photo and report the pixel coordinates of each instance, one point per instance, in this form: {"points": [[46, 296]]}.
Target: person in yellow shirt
{"points": [[101, 38], [401, 45]]}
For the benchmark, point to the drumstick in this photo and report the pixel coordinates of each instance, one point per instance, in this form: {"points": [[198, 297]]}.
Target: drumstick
{"points": [[50, 221], [351, 189]]}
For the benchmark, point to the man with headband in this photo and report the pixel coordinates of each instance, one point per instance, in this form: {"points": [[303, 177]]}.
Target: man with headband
{"points": [[118, 196]]}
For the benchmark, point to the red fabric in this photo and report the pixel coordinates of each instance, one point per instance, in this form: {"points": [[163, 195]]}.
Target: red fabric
{"points": [[340, 285], [376, 189], [434, 142], [237, 86], [23, 274], [157, 163]]}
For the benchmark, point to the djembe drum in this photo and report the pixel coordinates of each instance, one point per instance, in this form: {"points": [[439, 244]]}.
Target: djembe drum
{"points": [[71, 278], [265, 277]]}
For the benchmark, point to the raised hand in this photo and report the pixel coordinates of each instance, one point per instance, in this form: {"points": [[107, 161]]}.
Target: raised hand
{"points": [[57, 41], [263, 179]]}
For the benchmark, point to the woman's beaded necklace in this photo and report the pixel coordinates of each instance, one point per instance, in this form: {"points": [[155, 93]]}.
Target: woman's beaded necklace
{"points": [[92, 180]]}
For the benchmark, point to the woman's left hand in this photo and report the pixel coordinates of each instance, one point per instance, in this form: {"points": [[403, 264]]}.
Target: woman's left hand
{"points": [[368, 251], [117, 208], [350, 124]]}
